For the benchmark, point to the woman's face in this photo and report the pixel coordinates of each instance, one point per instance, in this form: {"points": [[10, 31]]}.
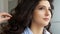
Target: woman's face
{"points": [[42, 14]]}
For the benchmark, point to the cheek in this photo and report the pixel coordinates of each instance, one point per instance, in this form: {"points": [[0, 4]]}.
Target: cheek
{"points": [[38, 16]]}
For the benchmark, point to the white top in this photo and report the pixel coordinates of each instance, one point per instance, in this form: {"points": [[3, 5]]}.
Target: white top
{"points": [[28, 31]]}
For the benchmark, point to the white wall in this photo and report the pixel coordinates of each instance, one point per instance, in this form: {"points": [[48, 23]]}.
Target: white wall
{"points": [[4, 5], [56, 18], [12, 4], [7, 5]]}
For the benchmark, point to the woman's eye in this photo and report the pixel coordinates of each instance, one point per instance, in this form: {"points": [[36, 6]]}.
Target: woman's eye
{"points": [[50, 9], [41, 8]]}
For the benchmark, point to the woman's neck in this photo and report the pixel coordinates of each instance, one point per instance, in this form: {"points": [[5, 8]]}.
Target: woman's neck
{"points": [[36, 29]]}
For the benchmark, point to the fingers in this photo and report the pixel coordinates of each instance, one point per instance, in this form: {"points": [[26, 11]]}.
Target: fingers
{"points": [[5, 14], [6, 18]]}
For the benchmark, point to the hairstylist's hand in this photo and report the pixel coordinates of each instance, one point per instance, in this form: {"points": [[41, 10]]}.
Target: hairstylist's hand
{"points": [[4, 16]]}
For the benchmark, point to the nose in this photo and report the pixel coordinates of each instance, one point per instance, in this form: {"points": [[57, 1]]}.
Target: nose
{"points": [[47, 12]]}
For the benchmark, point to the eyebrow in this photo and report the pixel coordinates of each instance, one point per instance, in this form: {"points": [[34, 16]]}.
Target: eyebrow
{"points": [[43, 6]]}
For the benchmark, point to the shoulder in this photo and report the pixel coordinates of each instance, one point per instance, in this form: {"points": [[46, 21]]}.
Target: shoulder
{"points": [[46, 32], [27, 31]]}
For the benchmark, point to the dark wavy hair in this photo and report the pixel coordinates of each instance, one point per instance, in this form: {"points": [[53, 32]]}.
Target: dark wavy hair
{"points": [[22, 16]]}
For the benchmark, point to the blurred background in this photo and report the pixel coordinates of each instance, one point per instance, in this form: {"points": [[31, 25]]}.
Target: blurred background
{"points": [[8, 5]]}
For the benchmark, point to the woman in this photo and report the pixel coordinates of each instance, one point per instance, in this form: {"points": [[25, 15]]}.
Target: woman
{"points": [[31, 17]]}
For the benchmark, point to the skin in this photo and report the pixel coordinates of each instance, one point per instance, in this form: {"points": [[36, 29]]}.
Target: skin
{"points": [[41, 17], [4, 16]]}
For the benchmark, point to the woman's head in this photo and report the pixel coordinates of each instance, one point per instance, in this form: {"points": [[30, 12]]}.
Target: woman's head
{"points": [[42, 13], [28, 11]]}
